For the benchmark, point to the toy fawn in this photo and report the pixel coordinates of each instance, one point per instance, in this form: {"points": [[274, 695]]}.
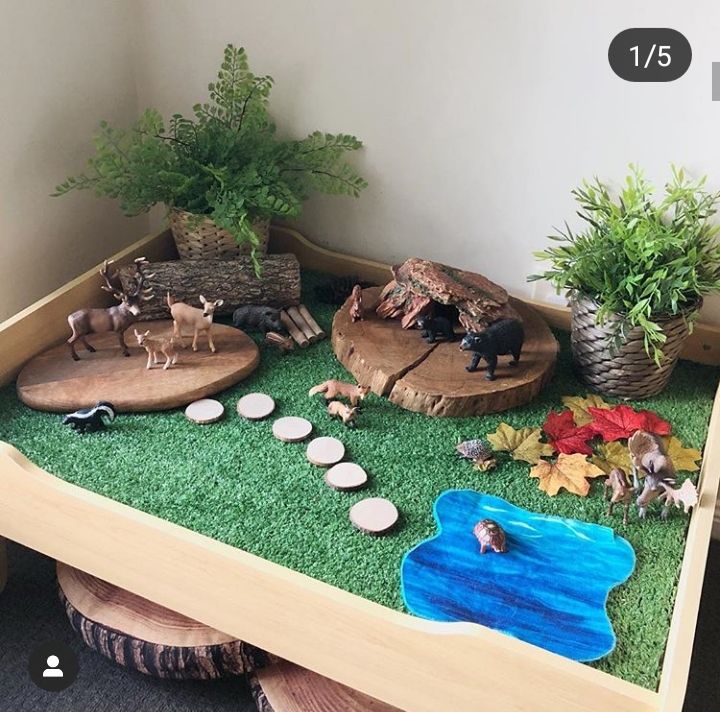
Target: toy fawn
{"points": [[336, 409], [165, 345], [198, 320], [622, 491], [339, 389]]}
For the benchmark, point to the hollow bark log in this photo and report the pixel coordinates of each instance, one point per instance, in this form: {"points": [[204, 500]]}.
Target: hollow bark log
{"points": [[233, 281]]}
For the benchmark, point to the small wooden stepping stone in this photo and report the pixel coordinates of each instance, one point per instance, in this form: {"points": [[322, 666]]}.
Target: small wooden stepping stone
{"points": [[255, 406], [324, 451], [291, 429], [374, 515], [346, 476], [204, 411]]}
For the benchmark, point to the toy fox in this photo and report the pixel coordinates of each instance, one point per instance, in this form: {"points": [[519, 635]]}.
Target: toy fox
{"points": [[336, 409], [340, 389]]}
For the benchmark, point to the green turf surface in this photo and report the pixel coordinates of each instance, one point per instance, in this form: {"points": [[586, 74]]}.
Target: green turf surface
{"points": [[233, 481]]}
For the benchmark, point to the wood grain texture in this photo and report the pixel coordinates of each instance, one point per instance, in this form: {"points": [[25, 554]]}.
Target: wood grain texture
{"points": [[233, 281], [52, 381], [431, 378], [143, 636], [286, 687]]}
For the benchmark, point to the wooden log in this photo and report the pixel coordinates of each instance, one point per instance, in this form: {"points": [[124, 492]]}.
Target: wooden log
{"points": [[301, 324], [233, 281], [300, 339], [143, 636], [313, 324]]}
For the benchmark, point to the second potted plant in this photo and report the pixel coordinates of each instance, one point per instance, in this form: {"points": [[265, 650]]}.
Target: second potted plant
{"points": [[635, 278], [224, 173]]}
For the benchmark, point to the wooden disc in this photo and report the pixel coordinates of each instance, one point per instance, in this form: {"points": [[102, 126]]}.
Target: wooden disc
{"points": [[325, 451], [144, 636], [431, 378], [346, 476], [52, 381], [291, 429], [255, 406], [204, 411], [374, 515], [286, 687]]}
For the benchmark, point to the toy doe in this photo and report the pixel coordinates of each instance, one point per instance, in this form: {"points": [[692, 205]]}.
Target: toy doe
{"points": [[199, 321]]}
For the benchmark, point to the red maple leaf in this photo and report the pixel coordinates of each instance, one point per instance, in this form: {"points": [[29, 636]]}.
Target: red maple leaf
{"points": [[565, 436], [620, 422]]}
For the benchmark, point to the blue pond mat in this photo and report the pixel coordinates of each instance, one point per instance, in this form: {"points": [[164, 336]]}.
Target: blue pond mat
{"points": [[550, 588]]}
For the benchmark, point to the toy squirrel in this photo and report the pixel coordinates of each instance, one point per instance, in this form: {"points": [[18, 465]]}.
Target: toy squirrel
{"points": [[649, 457], [503, 337], [339, 389], [434, 326], [356, 305], [256, 317]]}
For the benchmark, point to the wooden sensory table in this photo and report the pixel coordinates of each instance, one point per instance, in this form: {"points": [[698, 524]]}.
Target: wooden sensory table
{"points": [[413, 664]]}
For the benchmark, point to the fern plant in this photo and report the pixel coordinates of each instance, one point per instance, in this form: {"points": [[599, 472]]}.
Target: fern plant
{"points": [[225, 162], [640, 259]]}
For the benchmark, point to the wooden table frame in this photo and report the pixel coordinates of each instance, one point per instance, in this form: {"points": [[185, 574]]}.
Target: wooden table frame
{"points": [[414, 664]]}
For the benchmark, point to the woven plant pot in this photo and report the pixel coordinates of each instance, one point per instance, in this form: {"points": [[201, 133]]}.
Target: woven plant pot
{"points": [[628, 372], [206, 241]]}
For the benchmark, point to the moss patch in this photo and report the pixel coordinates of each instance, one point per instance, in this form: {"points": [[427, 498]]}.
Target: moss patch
{"points": [[234, 482]]}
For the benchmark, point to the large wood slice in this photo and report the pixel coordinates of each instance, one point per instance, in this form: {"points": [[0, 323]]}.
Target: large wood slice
{"points": [[52, 381], [418, 284], [233, 281], [286, 687], [143, 636], [431, 378]]}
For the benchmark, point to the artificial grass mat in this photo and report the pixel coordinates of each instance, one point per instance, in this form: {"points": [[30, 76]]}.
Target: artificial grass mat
{"points": [[235, 482]]}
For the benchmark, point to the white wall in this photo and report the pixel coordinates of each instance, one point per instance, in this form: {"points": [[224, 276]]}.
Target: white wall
{"points": [[478, 116], [63, 67]]}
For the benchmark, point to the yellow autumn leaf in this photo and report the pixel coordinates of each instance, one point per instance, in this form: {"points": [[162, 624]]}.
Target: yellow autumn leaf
{"points": [[684, 458], [612, 455], [523, 444], [568, 472], [579, 407]]}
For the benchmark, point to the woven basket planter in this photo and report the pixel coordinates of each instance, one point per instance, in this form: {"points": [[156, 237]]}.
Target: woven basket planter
{"points": [[207, 241], [628, 372]]}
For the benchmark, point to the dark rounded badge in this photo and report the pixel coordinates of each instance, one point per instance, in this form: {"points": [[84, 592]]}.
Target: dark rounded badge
{"points": [[650, 54], [53, 666]]}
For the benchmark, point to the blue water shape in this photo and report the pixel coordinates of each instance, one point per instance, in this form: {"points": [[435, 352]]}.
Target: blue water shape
{"points": [[550, 588]]}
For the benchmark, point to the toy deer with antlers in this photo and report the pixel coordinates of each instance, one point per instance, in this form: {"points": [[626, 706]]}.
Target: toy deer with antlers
{"points": [[117, 318]]}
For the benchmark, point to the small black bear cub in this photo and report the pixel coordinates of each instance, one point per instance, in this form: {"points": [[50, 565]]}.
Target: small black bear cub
{"points": [[432, 327], [503, 337], [257, 317]]}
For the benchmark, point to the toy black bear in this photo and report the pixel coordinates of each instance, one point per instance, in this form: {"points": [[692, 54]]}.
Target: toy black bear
{"points": [[256, 317], [432, 327], [88, 420], [503, 337]]}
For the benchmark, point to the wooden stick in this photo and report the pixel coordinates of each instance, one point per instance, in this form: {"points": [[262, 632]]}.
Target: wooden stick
{"points": [[313, 324], [301, 324], [289, 324]]}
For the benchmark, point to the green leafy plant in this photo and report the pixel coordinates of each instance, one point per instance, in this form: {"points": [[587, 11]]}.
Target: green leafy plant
{"points": [[640, 259], [225, 163]]}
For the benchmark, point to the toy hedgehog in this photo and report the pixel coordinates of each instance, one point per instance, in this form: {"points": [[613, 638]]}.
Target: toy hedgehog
{"points": [[89, 420]]}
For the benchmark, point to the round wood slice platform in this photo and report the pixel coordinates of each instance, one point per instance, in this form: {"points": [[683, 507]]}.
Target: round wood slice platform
{"points": [[431, 378], [53, 381], [143, 636], [286, 687]]}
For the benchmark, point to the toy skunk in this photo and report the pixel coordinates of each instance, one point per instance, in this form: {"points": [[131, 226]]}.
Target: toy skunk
{"points": [[89, 420]]}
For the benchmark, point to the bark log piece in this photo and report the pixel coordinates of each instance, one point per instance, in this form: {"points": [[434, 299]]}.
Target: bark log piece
{"points": [[143, 636], [418, 283], [233, 281]]}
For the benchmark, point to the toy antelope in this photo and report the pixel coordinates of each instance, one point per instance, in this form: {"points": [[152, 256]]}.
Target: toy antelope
{"points": [[622, 491], [339, 389], [336, 409], [117, 318], [649, 457], [198, 320], [165, 345]]}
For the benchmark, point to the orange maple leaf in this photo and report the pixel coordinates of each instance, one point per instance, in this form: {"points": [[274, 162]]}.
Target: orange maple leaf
{"points": [[568, 471]]}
